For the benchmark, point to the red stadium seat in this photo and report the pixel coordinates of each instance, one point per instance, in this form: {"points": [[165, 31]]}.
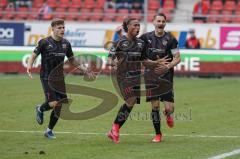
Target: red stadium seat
{"points": [[226, 17], [89, 4], [98, 15], [37, 3], [48, 17], [34, 14], [136, 14], [207, 2], [72, 14], [168, 14], [110, 14], [84, 14], [238, 6], [236, 18], [3, 3], [22, 13], [52, 3], [10, 13], [122, 14], [217, 5], [76, 4], [60, 13], [213, 16], [64, 4], [169, 5], [100, 4], [151, 14], [1, 15], [230, 5], [153, 5]]}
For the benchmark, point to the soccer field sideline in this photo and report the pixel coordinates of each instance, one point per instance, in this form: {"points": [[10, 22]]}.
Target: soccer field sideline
{"points": [[220, 156], [123, 134]]}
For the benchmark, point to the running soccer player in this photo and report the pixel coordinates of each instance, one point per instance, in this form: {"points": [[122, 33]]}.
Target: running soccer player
{"points": [[160, 45], [53, 50], [125, 56]]}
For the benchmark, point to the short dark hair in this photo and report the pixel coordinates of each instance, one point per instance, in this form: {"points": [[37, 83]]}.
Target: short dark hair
{"points": [[126, 22], [160, 14], [57, 21]]}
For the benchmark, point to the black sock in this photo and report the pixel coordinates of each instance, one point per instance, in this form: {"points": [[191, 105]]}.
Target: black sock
{"points": [[54, 117], [156, 121], [122, 115], [45, 107]]}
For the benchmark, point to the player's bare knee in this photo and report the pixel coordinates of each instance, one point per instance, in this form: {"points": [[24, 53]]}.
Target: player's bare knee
{"points": [[169, 107], [155, 105], [53, 104]]}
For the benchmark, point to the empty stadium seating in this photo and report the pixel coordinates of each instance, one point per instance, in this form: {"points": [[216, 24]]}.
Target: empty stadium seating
{"points": [[222, 11], [83, 10]]}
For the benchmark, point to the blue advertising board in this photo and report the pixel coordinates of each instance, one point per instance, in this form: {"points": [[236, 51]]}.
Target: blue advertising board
{"points": [[11, 34]]}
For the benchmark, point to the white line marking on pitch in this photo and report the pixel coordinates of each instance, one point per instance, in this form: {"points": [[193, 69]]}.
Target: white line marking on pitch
{"points": [[227, 154], [92, 133]]}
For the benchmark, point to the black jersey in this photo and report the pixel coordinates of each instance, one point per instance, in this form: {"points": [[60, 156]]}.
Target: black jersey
{"points": [[52, 53], [128, 75], [163, 46], [130, 53]]}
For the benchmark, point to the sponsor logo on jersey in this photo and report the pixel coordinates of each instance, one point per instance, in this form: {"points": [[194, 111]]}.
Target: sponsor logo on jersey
{"points": [[64, 46]]}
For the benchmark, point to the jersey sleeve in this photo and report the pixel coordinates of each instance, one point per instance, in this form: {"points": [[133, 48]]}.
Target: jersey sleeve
{"points": [[174, 46], [112, 50], [144, 50], [69, 51], [39, 48]]}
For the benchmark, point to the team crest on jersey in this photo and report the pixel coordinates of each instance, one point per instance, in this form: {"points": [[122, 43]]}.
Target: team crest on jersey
{"points": [[64, 46], [164, 42]]}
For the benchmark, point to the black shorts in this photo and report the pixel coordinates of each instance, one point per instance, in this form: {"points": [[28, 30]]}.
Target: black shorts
{"points": [[129, 88], [54, 91], [158, 88], [167, 97]]}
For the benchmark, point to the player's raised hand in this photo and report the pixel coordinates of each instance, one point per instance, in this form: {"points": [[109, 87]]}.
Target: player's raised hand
{"points": [[89, 75], [161, 69], [163, 61], [29, 72], [113, 64]]}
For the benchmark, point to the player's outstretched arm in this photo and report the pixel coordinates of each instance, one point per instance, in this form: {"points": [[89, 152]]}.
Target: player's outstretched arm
{"points": [[113, 63], [82, 68], [30, 63]]}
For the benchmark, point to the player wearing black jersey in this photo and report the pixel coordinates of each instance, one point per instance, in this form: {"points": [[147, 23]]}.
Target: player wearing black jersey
{"points": [[160, 45], [53, 50], [126, 55]]}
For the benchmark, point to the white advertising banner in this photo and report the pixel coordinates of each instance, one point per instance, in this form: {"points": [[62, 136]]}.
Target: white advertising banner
{"points": [[212, 36], [79, 35]]}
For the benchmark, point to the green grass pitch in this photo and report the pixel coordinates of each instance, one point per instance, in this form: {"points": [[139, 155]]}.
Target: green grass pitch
{"points": [[207, 123]]}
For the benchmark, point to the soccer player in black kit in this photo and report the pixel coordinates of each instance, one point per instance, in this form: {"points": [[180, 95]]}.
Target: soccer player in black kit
{"points": [[160, 45], [53, 50], [126, 55]]}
